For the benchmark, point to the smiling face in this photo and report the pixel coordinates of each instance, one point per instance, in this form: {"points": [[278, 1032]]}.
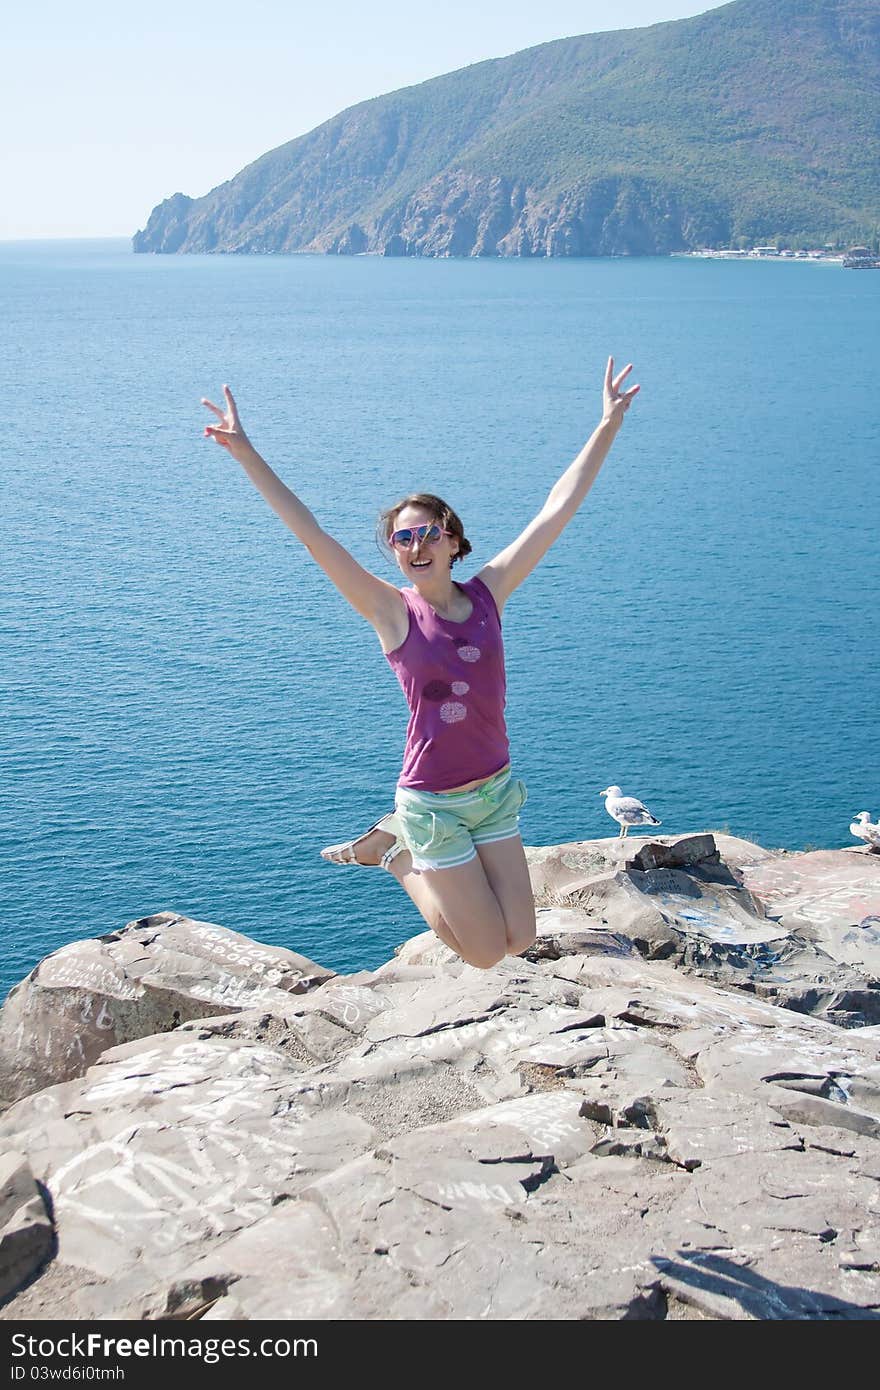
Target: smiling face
{"points": [[423, 559]]}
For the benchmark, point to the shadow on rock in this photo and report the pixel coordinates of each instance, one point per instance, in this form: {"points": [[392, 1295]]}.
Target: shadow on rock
{"points": [[724, 1288]]}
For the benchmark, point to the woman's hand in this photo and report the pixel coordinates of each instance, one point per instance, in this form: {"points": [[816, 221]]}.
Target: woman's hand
{"points": [[615, 403], [229, 432]]}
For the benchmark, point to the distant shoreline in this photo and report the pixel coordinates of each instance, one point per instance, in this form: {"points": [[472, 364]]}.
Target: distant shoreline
{"points": [[801, 258]]}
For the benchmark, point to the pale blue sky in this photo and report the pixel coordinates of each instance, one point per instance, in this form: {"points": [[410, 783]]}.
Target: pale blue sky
{"points": [[105, 111]]}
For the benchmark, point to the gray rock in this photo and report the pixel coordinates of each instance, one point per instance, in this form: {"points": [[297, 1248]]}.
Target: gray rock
{"points": [[711, 855], [149, 977], [174, 1140], [597, 1130], [26, 1233], [744, 917], [824, 897], [813, 1110]]}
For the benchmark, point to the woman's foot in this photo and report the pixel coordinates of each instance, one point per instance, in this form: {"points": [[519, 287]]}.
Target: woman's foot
{"points": [[373, 849]]}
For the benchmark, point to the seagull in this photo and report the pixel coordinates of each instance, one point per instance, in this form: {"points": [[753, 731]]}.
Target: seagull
{"points": [[626, 810], [864, 830]]}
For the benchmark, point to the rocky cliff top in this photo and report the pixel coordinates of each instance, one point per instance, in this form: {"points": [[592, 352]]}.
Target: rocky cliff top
{"points": [[669, 1108]]}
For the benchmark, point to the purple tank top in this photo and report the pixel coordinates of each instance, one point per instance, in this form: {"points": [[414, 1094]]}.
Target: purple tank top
{"points": [[452, 675]]}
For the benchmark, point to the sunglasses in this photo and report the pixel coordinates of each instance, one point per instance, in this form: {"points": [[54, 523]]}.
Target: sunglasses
{"points": [[428, 534]]}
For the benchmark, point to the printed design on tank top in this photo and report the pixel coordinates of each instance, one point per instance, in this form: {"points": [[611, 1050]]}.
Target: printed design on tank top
{"points": [[453, 711], [466, 650]]}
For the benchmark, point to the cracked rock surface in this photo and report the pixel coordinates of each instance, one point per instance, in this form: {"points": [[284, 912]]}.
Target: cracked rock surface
{"points": [[149, 977], [800, 929], [612, 1127]]}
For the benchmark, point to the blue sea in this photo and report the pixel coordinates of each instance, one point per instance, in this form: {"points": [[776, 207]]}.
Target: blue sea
{"points": [[190, 710]]}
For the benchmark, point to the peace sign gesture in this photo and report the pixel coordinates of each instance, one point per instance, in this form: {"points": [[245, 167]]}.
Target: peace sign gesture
{"points": [[229, 432], [616, 402]]}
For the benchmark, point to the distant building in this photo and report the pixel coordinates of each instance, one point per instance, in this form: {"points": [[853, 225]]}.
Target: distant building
{"points": [[861, 258]]}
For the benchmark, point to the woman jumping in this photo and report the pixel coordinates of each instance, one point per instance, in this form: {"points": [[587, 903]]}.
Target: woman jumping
{"points": [[453, 840]]}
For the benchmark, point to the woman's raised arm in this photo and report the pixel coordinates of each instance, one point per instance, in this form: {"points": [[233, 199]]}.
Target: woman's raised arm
{"points": [[373, 598], [516, 562]]}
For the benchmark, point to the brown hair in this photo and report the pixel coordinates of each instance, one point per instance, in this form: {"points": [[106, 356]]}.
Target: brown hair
{"points": [[444, 514]]}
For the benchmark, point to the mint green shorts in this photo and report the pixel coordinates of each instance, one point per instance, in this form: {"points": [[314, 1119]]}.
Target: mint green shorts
{"points": [[442, 829]]}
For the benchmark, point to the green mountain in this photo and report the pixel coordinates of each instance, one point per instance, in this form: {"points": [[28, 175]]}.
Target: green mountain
{"points": [[751, 121]]}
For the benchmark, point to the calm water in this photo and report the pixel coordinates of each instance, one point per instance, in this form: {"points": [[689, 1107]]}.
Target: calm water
{"points": [[190, 710]]}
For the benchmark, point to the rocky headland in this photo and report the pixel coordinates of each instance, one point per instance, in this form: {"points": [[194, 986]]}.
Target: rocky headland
{"points": [[669, 1108], [745, 123]]}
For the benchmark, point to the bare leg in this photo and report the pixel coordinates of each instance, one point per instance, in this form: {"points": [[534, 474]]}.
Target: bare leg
{"points": [[370, 849], [462, 906], [402, 869], [506, 868], [483, 910]]}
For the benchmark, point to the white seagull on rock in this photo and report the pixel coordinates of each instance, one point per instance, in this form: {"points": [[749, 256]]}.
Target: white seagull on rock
{"points": [[626, 810], [863, 829]]}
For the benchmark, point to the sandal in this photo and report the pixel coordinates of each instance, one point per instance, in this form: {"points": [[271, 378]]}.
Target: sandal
{"points": [[345, 853]]}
